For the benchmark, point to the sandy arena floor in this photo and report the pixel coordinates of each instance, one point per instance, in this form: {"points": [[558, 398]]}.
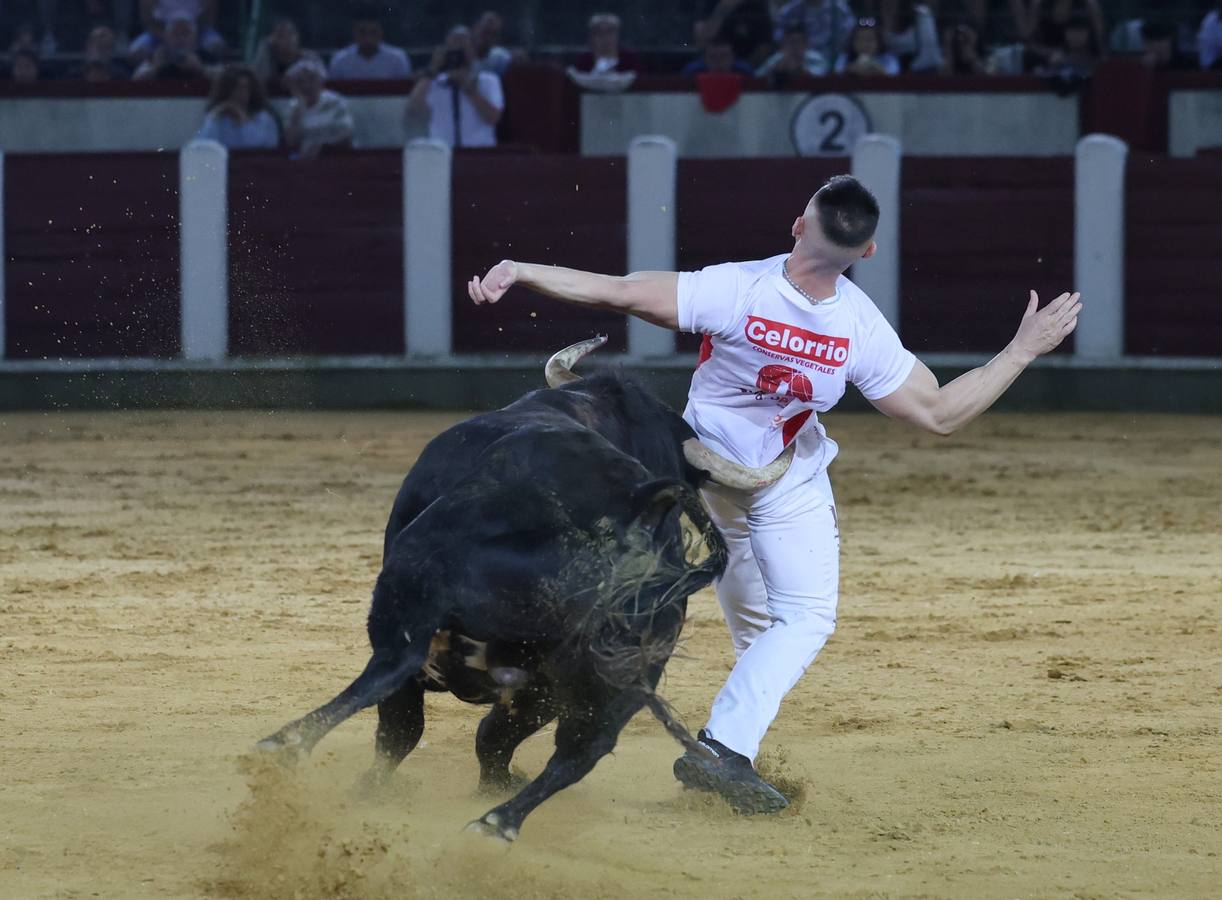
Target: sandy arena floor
{"points": [[1022, 699]]}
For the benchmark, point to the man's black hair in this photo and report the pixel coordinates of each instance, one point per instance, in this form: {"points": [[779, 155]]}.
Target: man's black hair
{"points": [[847, 211]]}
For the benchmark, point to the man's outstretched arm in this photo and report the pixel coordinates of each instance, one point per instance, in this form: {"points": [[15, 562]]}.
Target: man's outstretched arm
{"points": [[942, 410], [651, 296]]}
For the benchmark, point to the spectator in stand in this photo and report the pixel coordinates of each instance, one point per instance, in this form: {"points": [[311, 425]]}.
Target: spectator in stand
{"points": [[238, 114], [100, 62], [1078, 54], [961, 51], [25, 67], [748, 25], [795, 59], [910, 32], [24, 39], [368, 56], [118, 14], [605, 53], [1209, 39], [176, 56], [1159, 51], [278, 52], [828, 23], [490, 56], [1042, 26], [317, 118], [157, 16], [461, 103], [866, 55], [718, 56]]}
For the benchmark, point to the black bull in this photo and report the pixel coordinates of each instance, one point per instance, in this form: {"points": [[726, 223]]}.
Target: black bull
{"points": [[538, 558]]}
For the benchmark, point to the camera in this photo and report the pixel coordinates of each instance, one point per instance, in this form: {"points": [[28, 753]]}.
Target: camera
{"points": [[454, 59]]}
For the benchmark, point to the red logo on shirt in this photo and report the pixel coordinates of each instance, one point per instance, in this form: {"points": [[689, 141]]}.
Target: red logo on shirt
{"points": [[785, 382], [792, 341]]}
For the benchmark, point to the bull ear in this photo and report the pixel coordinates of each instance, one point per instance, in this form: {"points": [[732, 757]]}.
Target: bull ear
{"points": [[652, 501]]}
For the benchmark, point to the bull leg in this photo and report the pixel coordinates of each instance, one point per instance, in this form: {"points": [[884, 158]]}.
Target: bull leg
{"points": [[385, 673], [400, 724], [582, 739], [503, 729]]}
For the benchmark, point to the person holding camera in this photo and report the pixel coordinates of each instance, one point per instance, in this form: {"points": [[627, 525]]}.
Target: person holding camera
{"points": [[461, 104], [176, 57]]}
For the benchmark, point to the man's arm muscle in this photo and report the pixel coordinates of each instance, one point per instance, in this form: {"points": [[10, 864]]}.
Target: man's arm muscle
{"points": [[651, 296]]}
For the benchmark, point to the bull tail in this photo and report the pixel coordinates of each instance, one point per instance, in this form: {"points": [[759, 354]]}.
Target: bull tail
{"points": [[385, 673], [665, 713]]}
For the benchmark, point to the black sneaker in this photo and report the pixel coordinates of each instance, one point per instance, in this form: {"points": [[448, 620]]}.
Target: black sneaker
{"points": [[731, 775]]}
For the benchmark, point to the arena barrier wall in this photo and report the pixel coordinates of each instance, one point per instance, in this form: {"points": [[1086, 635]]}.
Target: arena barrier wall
{"points": [[321, 271]]}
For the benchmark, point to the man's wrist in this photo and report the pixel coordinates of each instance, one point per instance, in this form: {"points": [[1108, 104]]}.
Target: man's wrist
{"points": [[1022, 357]]}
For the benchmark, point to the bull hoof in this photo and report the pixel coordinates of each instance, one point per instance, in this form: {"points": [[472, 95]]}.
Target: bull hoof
{"points": [[490, 825], [287, 748]]}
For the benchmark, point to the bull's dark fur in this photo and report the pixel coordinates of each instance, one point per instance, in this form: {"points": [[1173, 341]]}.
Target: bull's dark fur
{"points": [[550, 531]]}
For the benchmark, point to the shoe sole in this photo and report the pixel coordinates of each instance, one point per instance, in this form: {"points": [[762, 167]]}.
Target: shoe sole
{"points": [[744, 796]]}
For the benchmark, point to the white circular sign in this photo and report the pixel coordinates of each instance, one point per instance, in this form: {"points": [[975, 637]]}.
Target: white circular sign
{"points": [[828, 125]]}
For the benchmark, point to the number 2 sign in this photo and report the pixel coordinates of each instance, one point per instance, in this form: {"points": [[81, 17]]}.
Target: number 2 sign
{"points": [[828, 125]]}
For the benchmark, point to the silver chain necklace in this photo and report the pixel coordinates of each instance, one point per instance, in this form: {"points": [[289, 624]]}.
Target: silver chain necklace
{"points": [[793, 284]]}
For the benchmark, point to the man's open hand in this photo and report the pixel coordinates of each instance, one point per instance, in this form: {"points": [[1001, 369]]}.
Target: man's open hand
{"points": [[1042, 330], [494, 284]]}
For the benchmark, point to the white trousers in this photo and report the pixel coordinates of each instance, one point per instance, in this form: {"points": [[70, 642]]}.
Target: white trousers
{"points": [[778, 595]]}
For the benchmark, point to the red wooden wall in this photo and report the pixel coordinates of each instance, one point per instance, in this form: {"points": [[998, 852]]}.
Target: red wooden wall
{"points": [[976, 234], [316, 254], [560, 210], [1173, 256], [91, 242], [316, 248]]}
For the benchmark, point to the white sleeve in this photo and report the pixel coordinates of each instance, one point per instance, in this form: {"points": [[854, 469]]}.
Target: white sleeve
{"points": [[490, 86], [708, 299], [929, 48], [880, 364]]}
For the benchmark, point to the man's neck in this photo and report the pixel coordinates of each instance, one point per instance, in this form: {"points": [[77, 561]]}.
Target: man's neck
{"points": [[817, 282], [369, 53]]}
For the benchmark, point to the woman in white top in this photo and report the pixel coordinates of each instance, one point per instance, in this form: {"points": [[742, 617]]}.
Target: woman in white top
{"points": [[317, 118], [238, 115]]}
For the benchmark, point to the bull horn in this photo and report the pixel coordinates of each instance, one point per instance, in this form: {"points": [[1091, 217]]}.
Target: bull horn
{"points": [[559, 369], [731, 474]]}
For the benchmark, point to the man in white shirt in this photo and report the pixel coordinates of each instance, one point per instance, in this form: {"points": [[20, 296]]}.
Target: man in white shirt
{"points": [[367, 57], [461, 103], [783, 336]]}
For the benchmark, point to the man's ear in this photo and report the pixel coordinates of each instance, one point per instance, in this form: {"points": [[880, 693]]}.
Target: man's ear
{"points": [[870, 250], [799, 226]]}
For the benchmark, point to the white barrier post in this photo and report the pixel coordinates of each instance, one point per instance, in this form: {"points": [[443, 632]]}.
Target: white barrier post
{"points": [[203, 217], [876, 164], [1099, 165], [3, 261], [651, 230], [426, 248]]}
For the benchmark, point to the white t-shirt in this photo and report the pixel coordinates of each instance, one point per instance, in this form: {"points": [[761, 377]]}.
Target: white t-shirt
{"points": [[770, 353], [329, 121], [472, 131], [388, 62]]}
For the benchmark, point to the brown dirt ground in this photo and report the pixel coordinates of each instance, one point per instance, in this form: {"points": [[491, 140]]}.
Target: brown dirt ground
{"points": [[1022, 699]]}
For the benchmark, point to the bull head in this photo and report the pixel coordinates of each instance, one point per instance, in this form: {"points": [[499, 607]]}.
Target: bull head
{"points": [[559, 371]]}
